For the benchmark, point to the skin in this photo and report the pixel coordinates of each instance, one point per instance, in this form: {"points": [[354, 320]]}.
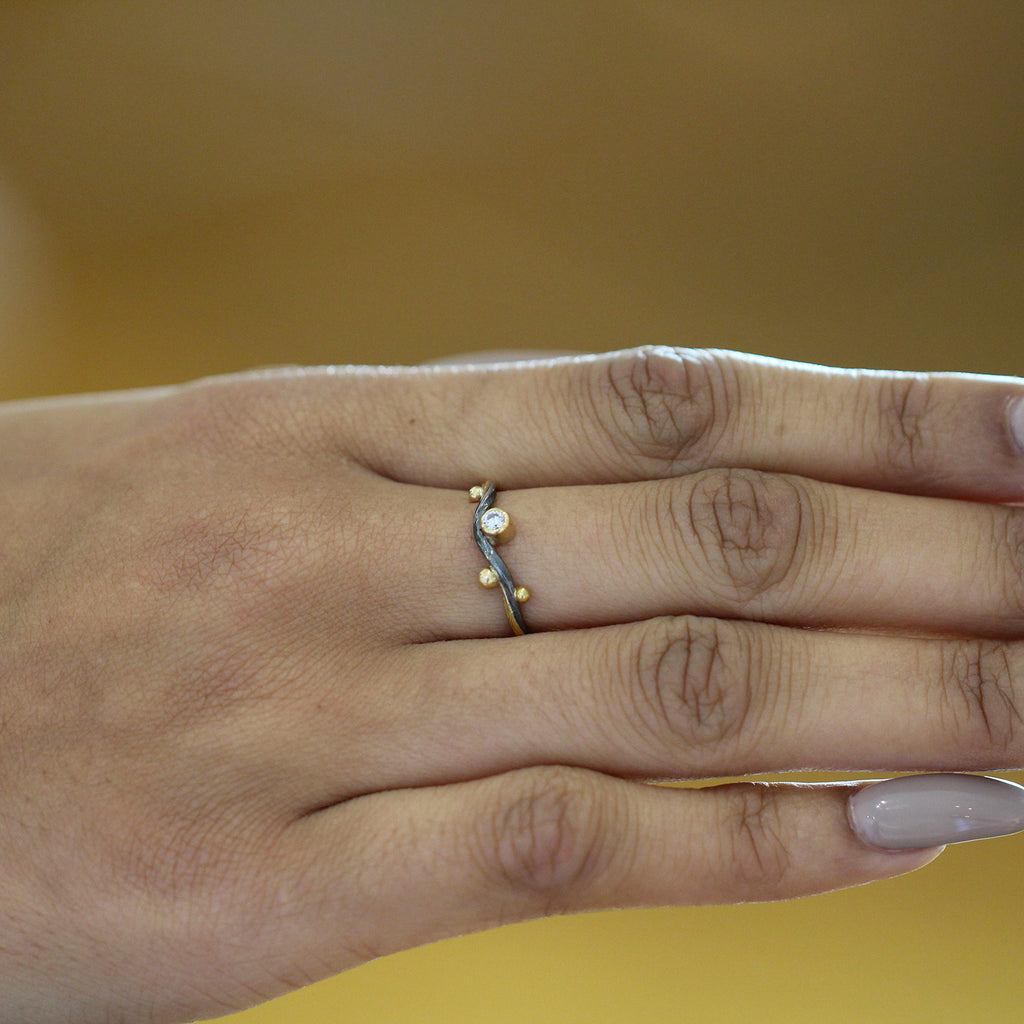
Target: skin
{"points": [[260, 724]]}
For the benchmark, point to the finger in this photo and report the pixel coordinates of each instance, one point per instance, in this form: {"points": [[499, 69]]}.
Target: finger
{"points": [[666, 699], [702, 698], [397, 869], [653, 413], [511, 355], [730, 543]]}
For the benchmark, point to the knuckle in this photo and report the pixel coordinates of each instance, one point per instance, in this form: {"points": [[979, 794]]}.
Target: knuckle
{"points": [[749, 527], [663, 406], [981, 678], [693, 683], [906, 435], [547, 841], [756, 848], [241, 415]]}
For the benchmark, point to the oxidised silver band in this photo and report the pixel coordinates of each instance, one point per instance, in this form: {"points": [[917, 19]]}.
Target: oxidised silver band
{"points": [[492, 525]]}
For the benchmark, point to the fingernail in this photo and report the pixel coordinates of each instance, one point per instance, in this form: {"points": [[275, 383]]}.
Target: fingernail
{"points": [[1015, 418], [932, 810]]}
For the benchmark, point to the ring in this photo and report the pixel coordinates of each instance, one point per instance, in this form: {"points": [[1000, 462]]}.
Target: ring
{"points": [[492, 525]]}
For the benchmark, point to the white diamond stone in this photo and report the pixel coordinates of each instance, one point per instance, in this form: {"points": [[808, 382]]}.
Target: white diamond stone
{"points": [[494, 521]]}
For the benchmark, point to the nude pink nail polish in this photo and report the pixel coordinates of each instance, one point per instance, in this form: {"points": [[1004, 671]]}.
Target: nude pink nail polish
{"points": [[1015, 421], [919, 811]]}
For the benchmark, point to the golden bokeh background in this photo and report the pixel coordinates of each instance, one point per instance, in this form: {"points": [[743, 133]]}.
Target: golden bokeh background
{"points": [[194, 187]]}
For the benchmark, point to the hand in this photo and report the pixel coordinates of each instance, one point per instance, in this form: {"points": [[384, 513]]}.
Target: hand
{"points": [[259, 722]]}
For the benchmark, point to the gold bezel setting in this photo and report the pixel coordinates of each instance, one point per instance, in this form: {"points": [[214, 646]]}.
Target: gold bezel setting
{"points": [[492, 526]]}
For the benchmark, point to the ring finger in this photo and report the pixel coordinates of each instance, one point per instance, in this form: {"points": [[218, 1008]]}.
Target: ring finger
{"points": [[684, 698]]}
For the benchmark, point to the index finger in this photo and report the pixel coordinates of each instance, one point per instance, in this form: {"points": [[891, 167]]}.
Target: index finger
{"points": [[662, 412]]}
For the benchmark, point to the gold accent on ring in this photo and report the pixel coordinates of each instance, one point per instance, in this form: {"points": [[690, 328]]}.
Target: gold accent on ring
{"points": [[493, 526], [497, 524]]}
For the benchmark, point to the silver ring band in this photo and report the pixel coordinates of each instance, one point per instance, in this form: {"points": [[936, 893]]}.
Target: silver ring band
{"points": [[491, 526]]}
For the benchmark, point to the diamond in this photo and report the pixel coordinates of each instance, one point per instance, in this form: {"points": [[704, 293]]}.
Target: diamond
{"points": [[494, 522]]}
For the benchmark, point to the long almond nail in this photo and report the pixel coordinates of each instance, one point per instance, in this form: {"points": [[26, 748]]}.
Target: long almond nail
{"points": [[932, 810], [1015, 420]]}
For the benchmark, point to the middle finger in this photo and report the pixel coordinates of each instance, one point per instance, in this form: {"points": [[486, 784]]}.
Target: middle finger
{"points": [[733, 544]]}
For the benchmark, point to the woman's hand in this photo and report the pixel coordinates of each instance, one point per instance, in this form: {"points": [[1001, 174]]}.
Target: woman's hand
{"points": [[259, 722]]}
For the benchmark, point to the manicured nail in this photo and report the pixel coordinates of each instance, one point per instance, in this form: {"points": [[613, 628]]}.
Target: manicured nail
{"points": [[918, 811], [1015, 419]]}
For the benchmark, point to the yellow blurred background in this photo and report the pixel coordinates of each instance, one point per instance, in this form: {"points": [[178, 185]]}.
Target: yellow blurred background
{"points": [[194, 187]]}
